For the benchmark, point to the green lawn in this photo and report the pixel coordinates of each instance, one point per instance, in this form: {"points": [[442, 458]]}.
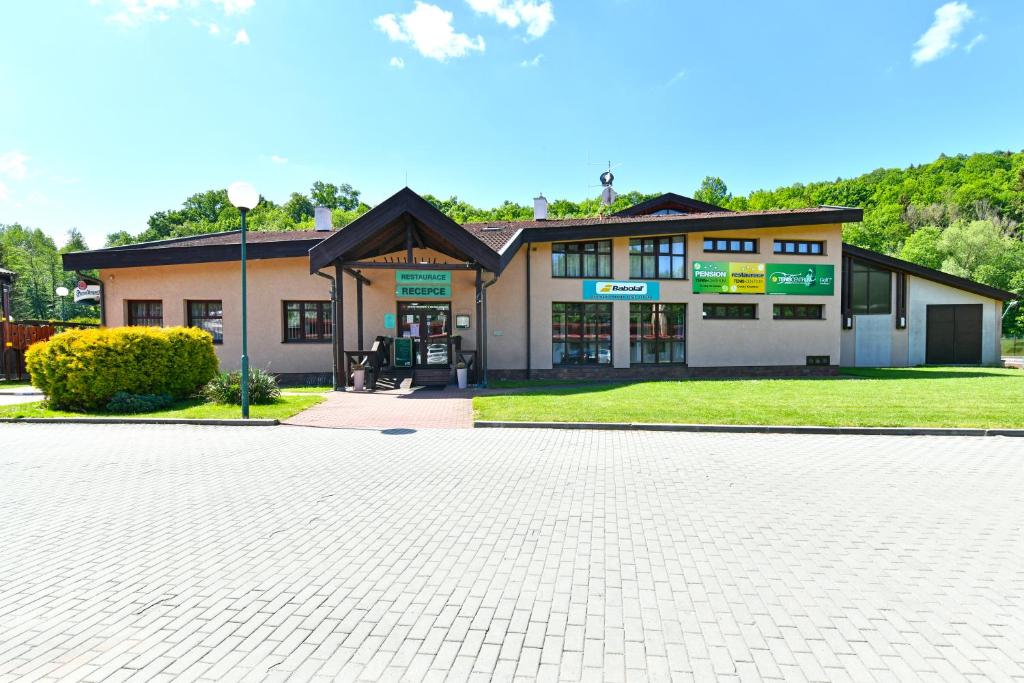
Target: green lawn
{"points": [[285, 407], [14, 384], [911, 397], [306, 390]]}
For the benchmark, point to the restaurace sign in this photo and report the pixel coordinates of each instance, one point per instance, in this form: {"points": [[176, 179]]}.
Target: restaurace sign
{"points": [[423, 284]]}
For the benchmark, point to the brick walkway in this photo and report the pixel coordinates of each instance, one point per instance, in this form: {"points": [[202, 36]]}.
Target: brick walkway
{"points": [[225, 554], [449, 408]]}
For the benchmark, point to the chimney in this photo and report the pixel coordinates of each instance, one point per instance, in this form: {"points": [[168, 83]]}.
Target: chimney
{"points": [[322, 219], [540, 208]]}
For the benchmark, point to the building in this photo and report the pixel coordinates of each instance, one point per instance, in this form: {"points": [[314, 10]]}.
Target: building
{"points": [[669, 288]]}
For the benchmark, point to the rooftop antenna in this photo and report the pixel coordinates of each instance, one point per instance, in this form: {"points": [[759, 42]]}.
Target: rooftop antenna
{"points": [[607, 178]]}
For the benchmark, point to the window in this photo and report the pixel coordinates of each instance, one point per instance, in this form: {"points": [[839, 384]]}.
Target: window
{"points": [[730, 311], [798, 311], [730, 245], [581, 334], [800, 247], [209, 316], [146, 313], [581, 259], [657, 333], [870, 290], [667, 212], [658, 258], [307, 321]]}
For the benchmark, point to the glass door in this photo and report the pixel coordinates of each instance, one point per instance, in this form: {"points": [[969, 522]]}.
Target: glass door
{"points": [[430, 327]]}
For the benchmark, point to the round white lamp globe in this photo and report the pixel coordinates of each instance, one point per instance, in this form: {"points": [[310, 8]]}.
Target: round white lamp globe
{"points": [[62, 291], [243, 195]]}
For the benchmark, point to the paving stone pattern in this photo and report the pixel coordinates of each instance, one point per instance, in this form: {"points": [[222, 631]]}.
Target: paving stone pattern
{"points": [[418, 408], [288, 553]]}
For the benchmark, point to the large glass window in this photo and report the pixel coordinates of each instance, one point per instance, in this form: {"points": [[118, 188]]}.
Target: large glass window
{"points": [[870, 290], [307, 321], [657, 333], [209, 316], [581, 259], [658, 258], [581, 334], [146, 313]]}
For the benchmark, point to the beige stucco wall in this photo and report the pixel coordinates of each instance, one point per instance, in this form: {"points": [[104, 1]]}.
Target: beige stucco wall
{"points": [[270, 283], [709, 343]]}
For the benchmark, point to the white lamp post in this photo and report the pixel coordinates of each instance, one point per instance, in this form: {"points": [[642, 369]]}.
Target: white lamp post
{"points": [[62, 292], [244, 197]]}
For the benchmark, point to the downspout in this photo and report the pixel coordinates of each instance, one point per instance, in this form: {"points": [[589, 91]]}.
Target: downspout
{"points": [[529, 337], [334, 337], [483, 326], [103, 294]]}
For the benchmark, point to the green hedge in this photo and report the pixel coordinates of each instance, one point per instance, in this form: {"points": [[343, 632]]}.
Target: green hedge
{"points": [[83, 369]]}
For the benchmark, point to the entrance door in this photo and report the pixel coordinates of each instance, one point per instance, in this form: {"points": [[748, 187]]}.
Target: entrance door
{"points": [[430, 326], [953, 334]]}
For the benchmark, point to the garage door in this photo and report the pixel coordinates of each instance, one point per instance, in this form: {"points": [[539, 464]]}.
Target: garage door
{"points": [[953, 334]]}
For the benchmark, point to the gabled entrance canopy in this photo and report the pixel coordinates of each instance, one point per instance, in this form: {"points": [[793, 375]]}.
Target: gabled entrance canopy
{"points": [[400, 223]]}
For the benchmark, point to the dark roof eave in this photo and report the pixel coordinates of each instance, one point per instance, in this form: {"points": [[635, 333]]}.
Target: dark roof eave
{"points": [[166, 256], [892, 263], [696, 223]]}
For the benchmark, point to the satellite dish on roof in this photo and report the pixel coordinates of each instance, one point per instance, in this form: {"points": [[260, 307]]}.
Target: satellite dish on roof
{"points": [[607, 178]]}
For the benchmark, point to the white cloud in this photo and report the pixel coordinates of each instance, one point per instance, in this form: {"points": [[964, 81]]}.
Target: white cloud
{"points": [[537, 16], [236, 6], [12, 165], [279, 159], [397, 62], [980, 38], [939, 39], [429, 29], [214, 29], [241, 38], [680, 75], [528, 63], [135, 12]]}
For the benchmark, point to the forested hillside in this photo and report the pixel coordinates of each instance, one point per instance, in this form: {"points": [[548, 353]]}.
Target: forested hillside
{"points": [[961, 214]]}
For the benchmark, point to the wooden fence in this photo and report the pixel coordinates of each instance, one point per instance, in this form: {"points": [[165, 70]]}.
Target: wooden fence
{"points": [[16, 337]]}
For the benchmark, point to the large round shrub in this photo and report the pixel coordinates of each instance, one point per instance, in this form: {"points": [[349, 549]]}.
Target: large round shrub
{"points": [[83, 369]]}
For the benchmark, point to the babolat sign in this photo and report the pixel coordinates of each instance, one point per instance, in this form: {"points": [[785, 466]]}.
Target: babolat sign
{"points": [[625, 290], [423, 284]]}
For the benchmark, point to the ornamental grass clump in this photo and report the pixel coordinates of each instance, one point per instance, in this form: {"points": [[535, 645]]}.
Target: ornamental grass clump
{"points": [[82, 370], [227, 388]]}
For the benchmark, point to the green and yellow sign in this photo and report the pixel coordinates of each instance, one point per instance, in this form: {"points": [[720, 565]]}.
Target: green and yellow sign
{"points": [[796, 278], [724, 277]]}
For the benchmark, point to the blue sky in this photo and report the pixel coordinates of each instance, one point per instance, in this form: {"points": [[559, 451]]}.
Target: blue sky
{"points": [[113, 109]]}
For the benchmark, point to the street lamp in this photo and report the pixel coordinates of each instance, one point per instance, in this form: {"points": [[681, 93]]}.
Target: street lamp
{"points": [[244, 197], [62, 292]]}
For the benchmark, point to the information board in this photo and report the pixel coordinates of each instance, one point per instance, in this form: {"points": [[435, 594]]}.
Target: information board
{"points": [[403, 352]]}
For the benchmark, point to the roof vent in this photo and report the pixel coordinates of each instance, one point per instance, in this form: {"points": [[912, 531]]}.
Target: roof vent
{"points": [[493, 228], [322, 219], [540, 208]]}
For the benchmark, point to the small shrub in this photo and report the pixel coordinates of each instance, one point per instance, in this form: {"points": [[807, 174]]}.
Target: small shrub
{"points": [[124, 403], [81, 370], [227, 388]]}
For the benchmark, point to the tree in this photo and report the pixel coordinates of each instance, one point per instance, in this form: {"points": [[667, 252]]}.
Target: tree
{"points": [[298, 207], [713, 190], [923, 247], [333, 196]]}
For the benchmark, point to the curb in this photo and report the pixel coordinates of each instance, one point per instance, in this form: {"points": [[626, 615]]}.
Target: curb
{"points": [[144, 421], [751, 429]]}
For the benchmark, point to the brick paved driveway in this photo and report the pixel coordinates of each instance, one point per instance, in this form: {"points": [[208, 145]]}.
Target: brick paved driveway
{"points": [[164, 552], [418, 408]]}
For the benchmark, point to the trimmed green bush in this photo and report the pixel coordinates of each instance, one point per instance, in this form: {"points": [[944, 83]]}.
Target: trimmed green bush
{"points": [[124, 403], [227, 388], [81, 370]]}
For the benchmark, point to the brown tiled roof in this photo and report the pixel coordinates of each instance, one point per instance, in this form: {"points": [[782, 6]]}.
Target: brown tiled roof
{"points": [[232, 237]]}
